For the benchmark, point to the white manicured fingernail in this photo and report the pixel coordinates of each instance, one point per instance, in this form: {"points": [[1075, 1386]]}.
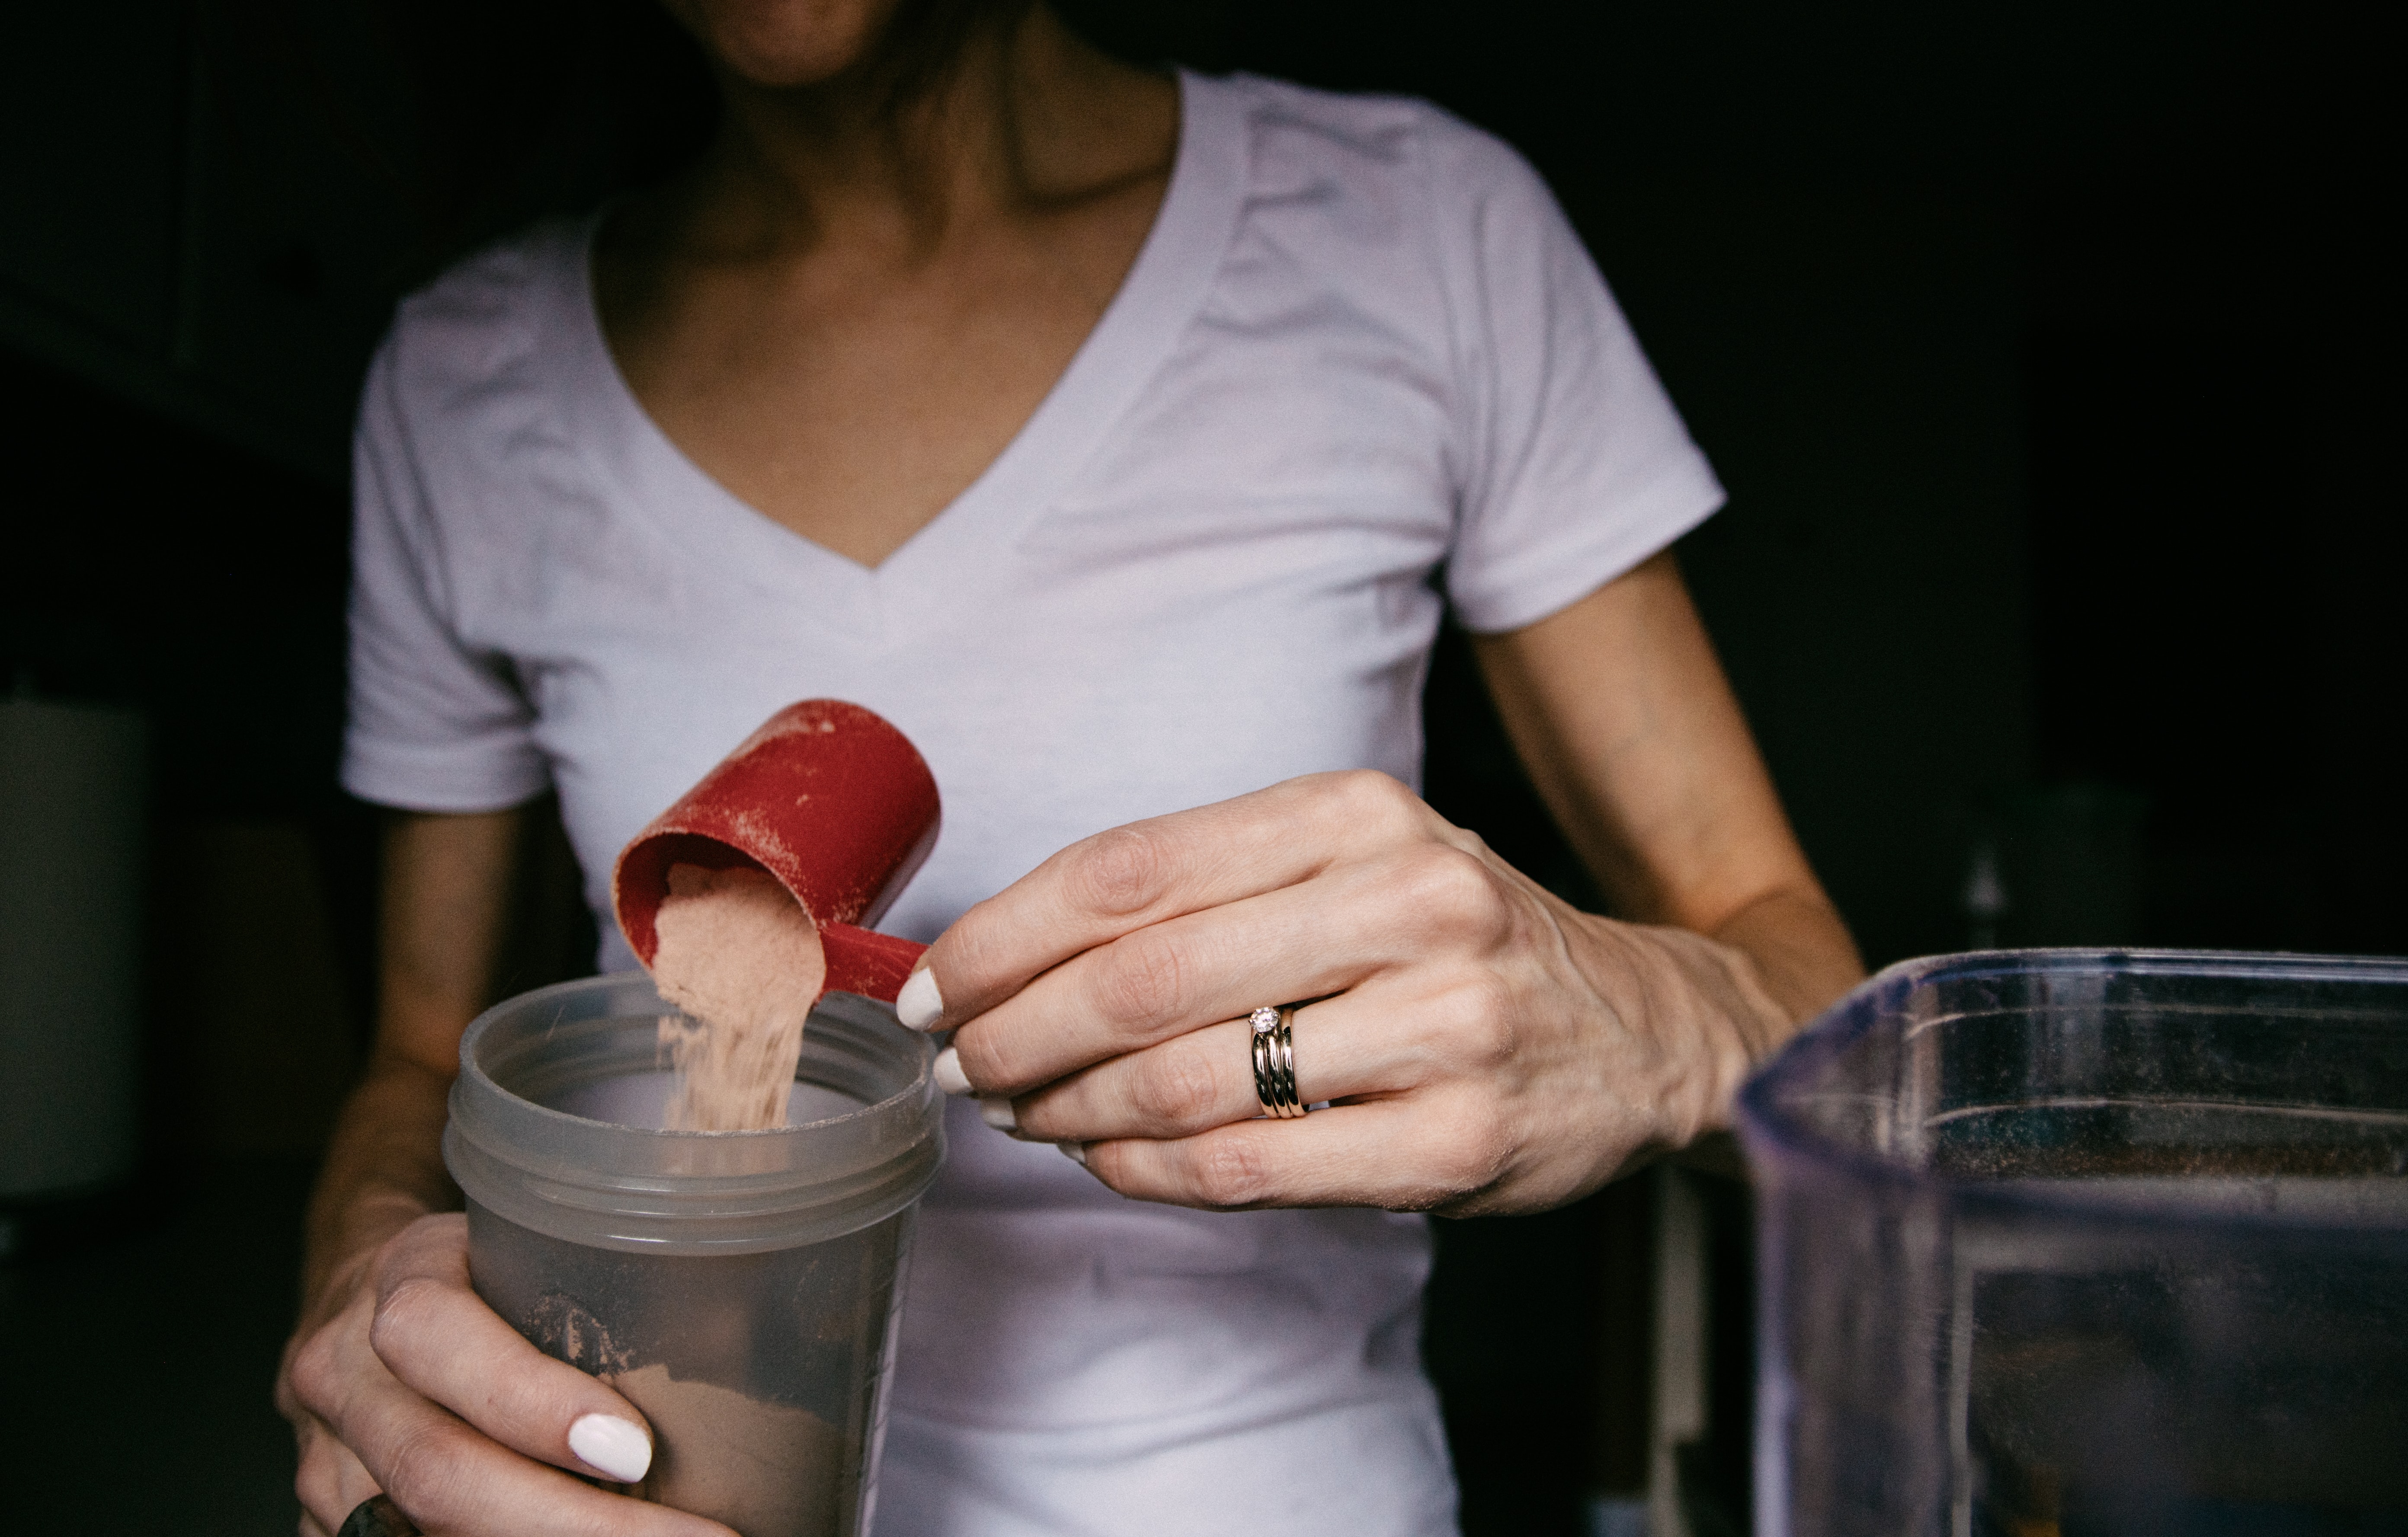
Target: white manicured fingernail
{"points": [[998, 1113], [616, 1448], [919, 1005], [1075, 1152], [950, 1076]]}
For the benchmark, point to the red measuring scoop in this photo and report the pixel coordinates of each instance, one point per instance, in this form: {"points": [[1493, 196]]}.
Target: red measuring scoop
{"points": [[834, 804]]}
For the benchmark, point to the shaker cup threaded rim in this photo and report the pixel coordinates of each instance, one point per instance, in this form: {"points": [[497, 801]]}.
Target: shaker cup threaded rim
{"points": [[1782, 1143], [635, 1189]]}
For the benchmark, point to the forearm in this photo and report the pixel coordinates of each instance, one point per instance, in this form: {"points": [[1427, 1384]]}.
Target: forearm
{"points": [[445, 885], [1631, 733]]}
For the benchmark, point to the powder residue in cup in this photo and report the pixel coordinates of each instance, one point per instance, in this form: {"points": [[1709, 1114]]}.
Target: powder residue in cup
{"points": [[768, 1470], [740, 956]]}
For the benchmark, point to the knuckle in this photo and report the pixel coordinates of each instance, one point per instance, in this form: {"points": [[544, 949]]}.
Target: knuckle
{"points": [[979, 947], [1484, 1033], [1377, 802], [1121, 871], [982, 1063], [1463, 838], [403, 1307], [1449, 887], [999, 1061], [400, 1255], [1474, 1151], [1143, 980], [1176, 1089], [421, 1474], [312, 1372], [1231, 1171]]}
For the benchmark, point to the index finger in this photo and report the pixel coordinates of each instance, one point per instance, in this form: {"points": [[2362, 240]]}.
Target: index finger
{"points": [[1114, 883]]}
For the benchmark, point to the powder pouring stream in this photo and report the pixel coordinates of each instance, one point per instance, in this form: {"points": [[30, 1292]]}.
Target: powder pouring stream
{"points": [[738, 1286], [743, 963]]}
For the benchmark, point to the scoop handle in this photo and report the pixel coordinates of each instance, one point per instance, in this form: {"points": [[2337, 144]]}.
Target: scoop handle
{"points": [[866, 961]]}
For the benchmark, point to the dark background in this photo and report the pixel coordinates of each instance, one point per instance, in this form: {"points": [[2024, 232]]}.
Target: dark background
{"points": [[2044, 349]]}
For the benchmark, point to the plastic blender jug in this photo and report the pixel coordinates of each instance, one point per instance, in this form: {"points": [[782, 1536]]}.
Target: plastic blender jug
{"points": [[2063, 1242], [739, 1287]]}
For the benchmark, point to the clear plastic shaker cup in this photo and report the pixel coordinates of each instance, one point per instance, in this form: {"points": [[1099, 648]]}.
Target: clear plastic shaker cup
{"points": [[2084, 1242], [739, 1287]]}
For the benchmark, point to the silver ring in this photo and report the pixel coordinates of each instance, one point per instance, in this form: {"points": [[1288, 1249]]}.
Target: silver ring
{"points": [[1275, 1062]]}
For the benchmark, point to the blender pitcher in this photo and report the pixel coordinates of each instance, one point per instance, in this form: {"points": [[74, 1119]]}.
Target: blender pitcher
{"points": [[2066, 1242]]}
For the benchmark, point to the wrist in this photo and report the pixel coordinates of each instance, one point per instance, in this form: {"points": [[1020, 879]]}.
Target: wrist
{"points": [[1703, 1010]]}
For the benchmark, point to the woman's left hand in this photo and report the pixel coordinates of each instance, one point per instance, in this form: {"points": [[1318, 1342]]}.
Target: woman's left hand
{"points": [[1484, 1045]]}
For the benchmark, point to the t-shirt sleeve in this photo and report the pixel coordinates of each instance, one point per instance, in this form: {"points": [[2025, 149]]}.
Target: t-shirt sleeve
{"points": [[434, 724], [1575, 467]]}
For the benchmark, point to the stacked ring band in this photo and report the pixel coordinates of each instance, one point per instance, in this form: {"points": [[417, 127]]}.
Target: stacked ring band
{"points": [[1275, 1062]]}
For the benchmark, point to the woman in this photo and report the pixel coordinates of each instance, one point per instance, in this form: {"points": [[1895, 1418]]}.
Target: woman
{"points": [[1104, 431]]}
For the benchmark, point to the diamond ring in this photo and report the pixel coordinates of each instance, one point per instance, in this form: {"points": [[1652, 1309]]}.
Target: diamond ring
{"points": [[1275, 1062]]}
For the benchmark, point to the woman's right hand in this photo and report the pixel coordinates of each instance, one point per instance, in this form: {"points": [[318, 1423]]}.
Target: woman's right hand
{"points": [[401, 1380]]}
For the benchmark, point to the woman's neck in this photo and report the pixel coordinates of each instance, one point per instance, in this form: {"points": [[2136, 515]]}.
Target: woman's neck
{"points": [[1020, 116]]}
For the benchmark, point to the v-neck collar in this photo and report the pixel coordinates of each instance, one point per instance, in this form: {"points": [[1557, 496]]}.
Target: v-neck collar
{"points": [[1159, 297]]}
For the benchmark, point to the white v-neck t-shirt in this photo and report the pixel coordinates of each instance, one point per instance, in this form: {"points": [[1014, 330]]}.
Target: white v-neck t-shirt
{"points": [[1360, 356]]}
